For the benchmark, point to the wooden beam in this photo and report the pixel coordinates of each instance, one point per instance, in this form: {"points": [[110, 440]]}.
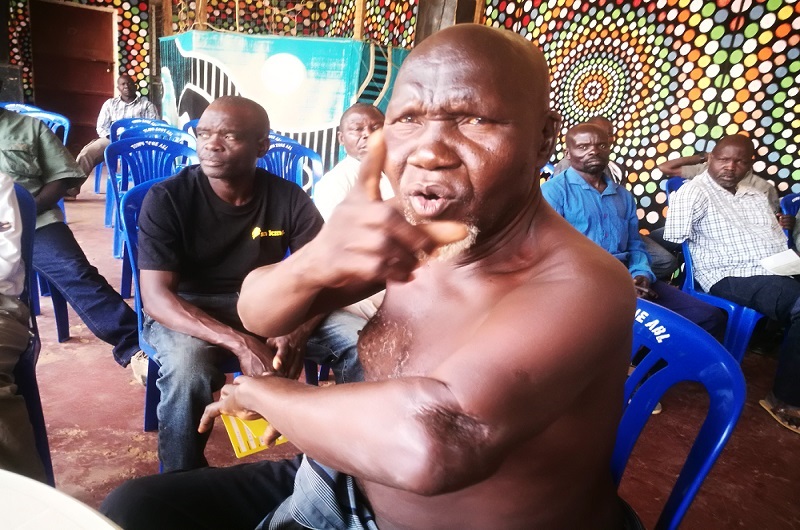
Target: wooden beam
{"points": [[358, 20], [201, 15], [166, 18], [433, 15]]}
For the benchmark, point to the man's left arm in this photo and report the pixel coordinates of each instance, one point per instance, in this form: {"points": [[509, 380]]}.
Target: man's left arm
{"points": [[638, 259], [454, 426], [59, 171], [150, 111]]}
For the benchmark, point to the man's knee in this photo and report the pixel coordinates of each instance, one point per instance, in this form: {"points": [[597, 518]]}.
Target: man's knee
{"points": [[134, 504]]}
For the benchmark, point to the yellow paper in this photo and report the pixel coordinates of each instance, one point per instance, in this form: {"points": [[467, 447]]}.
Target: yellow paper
{"points": [[246, 435]]}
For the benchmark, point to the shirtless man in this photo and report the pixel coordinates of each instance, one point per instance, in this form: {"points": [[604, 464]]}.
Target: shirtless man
{"points": [[494, 385]]}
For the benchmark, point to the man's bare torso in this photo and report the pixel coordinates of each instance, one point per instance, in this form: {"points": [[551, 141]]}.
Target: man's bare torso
{"points": [[558, 477]]}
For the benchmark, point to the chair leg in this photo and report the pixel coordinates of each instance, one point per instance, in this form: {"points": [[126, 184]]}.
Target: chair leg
{"points": [[324, 372], [152, 396], [119, 240], [34, 296], [98, 176], [109, 217], [127, 274], [739, 332], [312, 377], [61, 314]]}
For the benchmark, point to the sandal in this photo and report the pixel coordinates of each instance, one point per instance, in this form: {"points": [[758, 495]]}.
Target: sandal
{"points": [[787, 415]]}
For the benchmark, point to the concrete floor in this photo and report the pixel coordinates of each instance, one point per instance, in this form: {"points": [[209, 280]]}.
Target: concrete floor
{"points": [[94, 417]]}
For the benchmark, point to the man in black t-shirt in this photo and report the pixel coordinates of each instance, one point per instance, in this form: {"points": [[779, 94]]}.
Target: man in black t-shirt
{"points": [[200, 233]]}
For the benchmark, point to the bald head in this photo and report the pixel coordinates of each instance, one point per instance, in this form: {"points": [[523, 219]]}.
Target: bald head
{"points": [[739, 141], [251, 113], [468, 127]]}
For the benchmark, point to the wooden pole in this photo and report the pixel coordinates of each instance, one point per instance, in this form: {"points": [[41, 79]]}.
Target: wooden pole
{"points": [[433, 15], [166, 18], [358, 20], [201, 16]]}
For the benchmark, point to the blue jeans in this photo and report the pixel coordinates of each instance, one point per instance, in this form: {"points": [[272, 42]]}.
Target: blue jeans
{"points": [[777, 297], [189, 372], [58, 257]]}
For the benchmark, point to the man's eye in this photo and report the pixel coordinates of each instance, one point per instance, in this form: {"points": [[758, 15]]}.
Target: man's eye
{"points": [[230, 137], [475, 120], [405, 119]]}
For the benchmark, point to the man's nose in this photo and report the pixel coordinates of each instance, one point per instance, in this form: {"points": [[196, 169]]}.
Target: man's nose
{"points": [[433, 149]]}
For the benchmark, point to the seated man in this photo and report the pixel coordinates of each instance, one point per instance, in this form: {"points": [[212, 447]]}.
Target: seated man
{"points": [[481, 387], [662, 262], [200, 233], [127, 105], [606, 213], [355, 127], [17, 445], [730, 227], [35, 158]]}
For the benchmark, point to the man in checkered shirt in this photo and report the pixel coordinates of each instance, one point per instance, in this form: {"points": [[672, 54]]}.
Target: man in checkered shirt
{"points": [[127, 105], [730, 227]]}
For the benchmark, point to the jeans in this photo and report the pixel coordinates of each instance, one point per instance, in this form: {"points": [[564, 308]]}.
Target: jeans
{"points": [[662, 262], [189, 374], [777, 297], [58, 257]]}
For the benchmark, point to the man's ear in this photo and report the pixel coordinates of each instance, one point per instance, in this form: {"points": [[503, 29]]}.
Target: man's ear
{"points": [[263, 146], [551, 126], [339, 137]]}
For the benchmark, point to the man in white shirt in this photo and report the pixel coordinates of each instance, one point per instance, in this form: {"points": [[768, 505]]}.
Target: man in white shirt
{"points": [[17, 446], [730, 227], [127, 105], [355, 127]]}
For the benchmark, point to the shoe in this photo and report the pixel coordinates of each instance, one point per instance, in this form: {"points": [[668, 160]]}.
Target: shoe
{"points": [[785, 414], [139, 365], [657, 410]]}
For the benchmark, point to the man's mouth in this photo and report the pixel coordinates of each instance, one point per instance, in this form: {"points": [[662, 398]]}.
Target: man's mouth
{"points": [[430, 201]]}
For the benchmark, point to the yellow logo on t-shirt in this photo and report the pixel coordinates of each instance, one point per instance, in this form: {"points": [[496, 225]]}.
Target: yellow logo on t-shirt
{"points": [[257, 232]]}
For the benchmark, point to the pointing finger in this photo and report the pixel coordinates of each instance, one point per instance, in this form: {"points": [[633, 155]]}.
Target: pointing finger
{"points": [[369, 174]]}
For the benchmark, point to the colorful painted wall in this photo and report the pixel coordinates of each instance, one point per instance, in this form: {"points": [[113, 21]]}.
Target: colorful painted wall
{"points": [[133, 31], [674, 76]]}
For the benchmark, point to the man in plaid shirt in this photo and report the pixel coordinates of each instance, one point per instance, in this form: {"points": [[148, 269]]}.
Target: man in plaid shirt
{"points": [[127, 105], [730, 227]]}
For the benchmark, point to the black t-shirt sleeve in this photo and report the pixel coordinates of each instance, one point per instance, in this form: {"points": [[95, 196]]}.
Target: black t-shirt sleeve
{"points": [[158, 232], [307, 221]]}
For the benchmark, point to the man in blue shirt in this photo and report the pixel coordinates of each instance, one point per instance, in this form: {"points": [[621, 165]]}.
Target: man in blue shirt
{"points": [[605, 212]]}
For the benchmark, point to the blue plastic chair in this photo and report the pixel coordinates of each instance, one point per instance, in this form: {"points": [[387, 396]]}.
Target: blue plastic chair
{"points": [[114, 131], [741, 320], [25, 370], [56, 122], [131, 162], [19, 107], [678, 350], [289, 159], [163, 132], [790, 205], [191, 127]]}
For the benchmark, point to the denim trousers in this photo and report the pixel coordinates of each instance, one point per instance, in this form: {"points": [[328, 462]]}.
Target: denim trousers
{"points": [[777, 297], [58, 257], [189, 372]]}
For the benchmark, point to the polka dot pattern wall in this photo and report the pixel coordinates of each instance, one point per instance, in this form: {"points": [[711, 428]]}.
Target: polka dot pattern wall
{"points": [[281, 17], [134, 48], [674, 76], [390, 22]]}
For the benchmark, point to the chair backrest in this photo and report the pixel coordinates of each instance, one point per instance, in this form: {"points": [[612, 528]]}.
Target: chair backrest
{"points": [[678, 350], [19, 107], [126, 123], [191, 126], [55, 121], [673, 184], [130, 207], [163, 132], [292, 161], [790, 205], [25, 370], [136, 160]]}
